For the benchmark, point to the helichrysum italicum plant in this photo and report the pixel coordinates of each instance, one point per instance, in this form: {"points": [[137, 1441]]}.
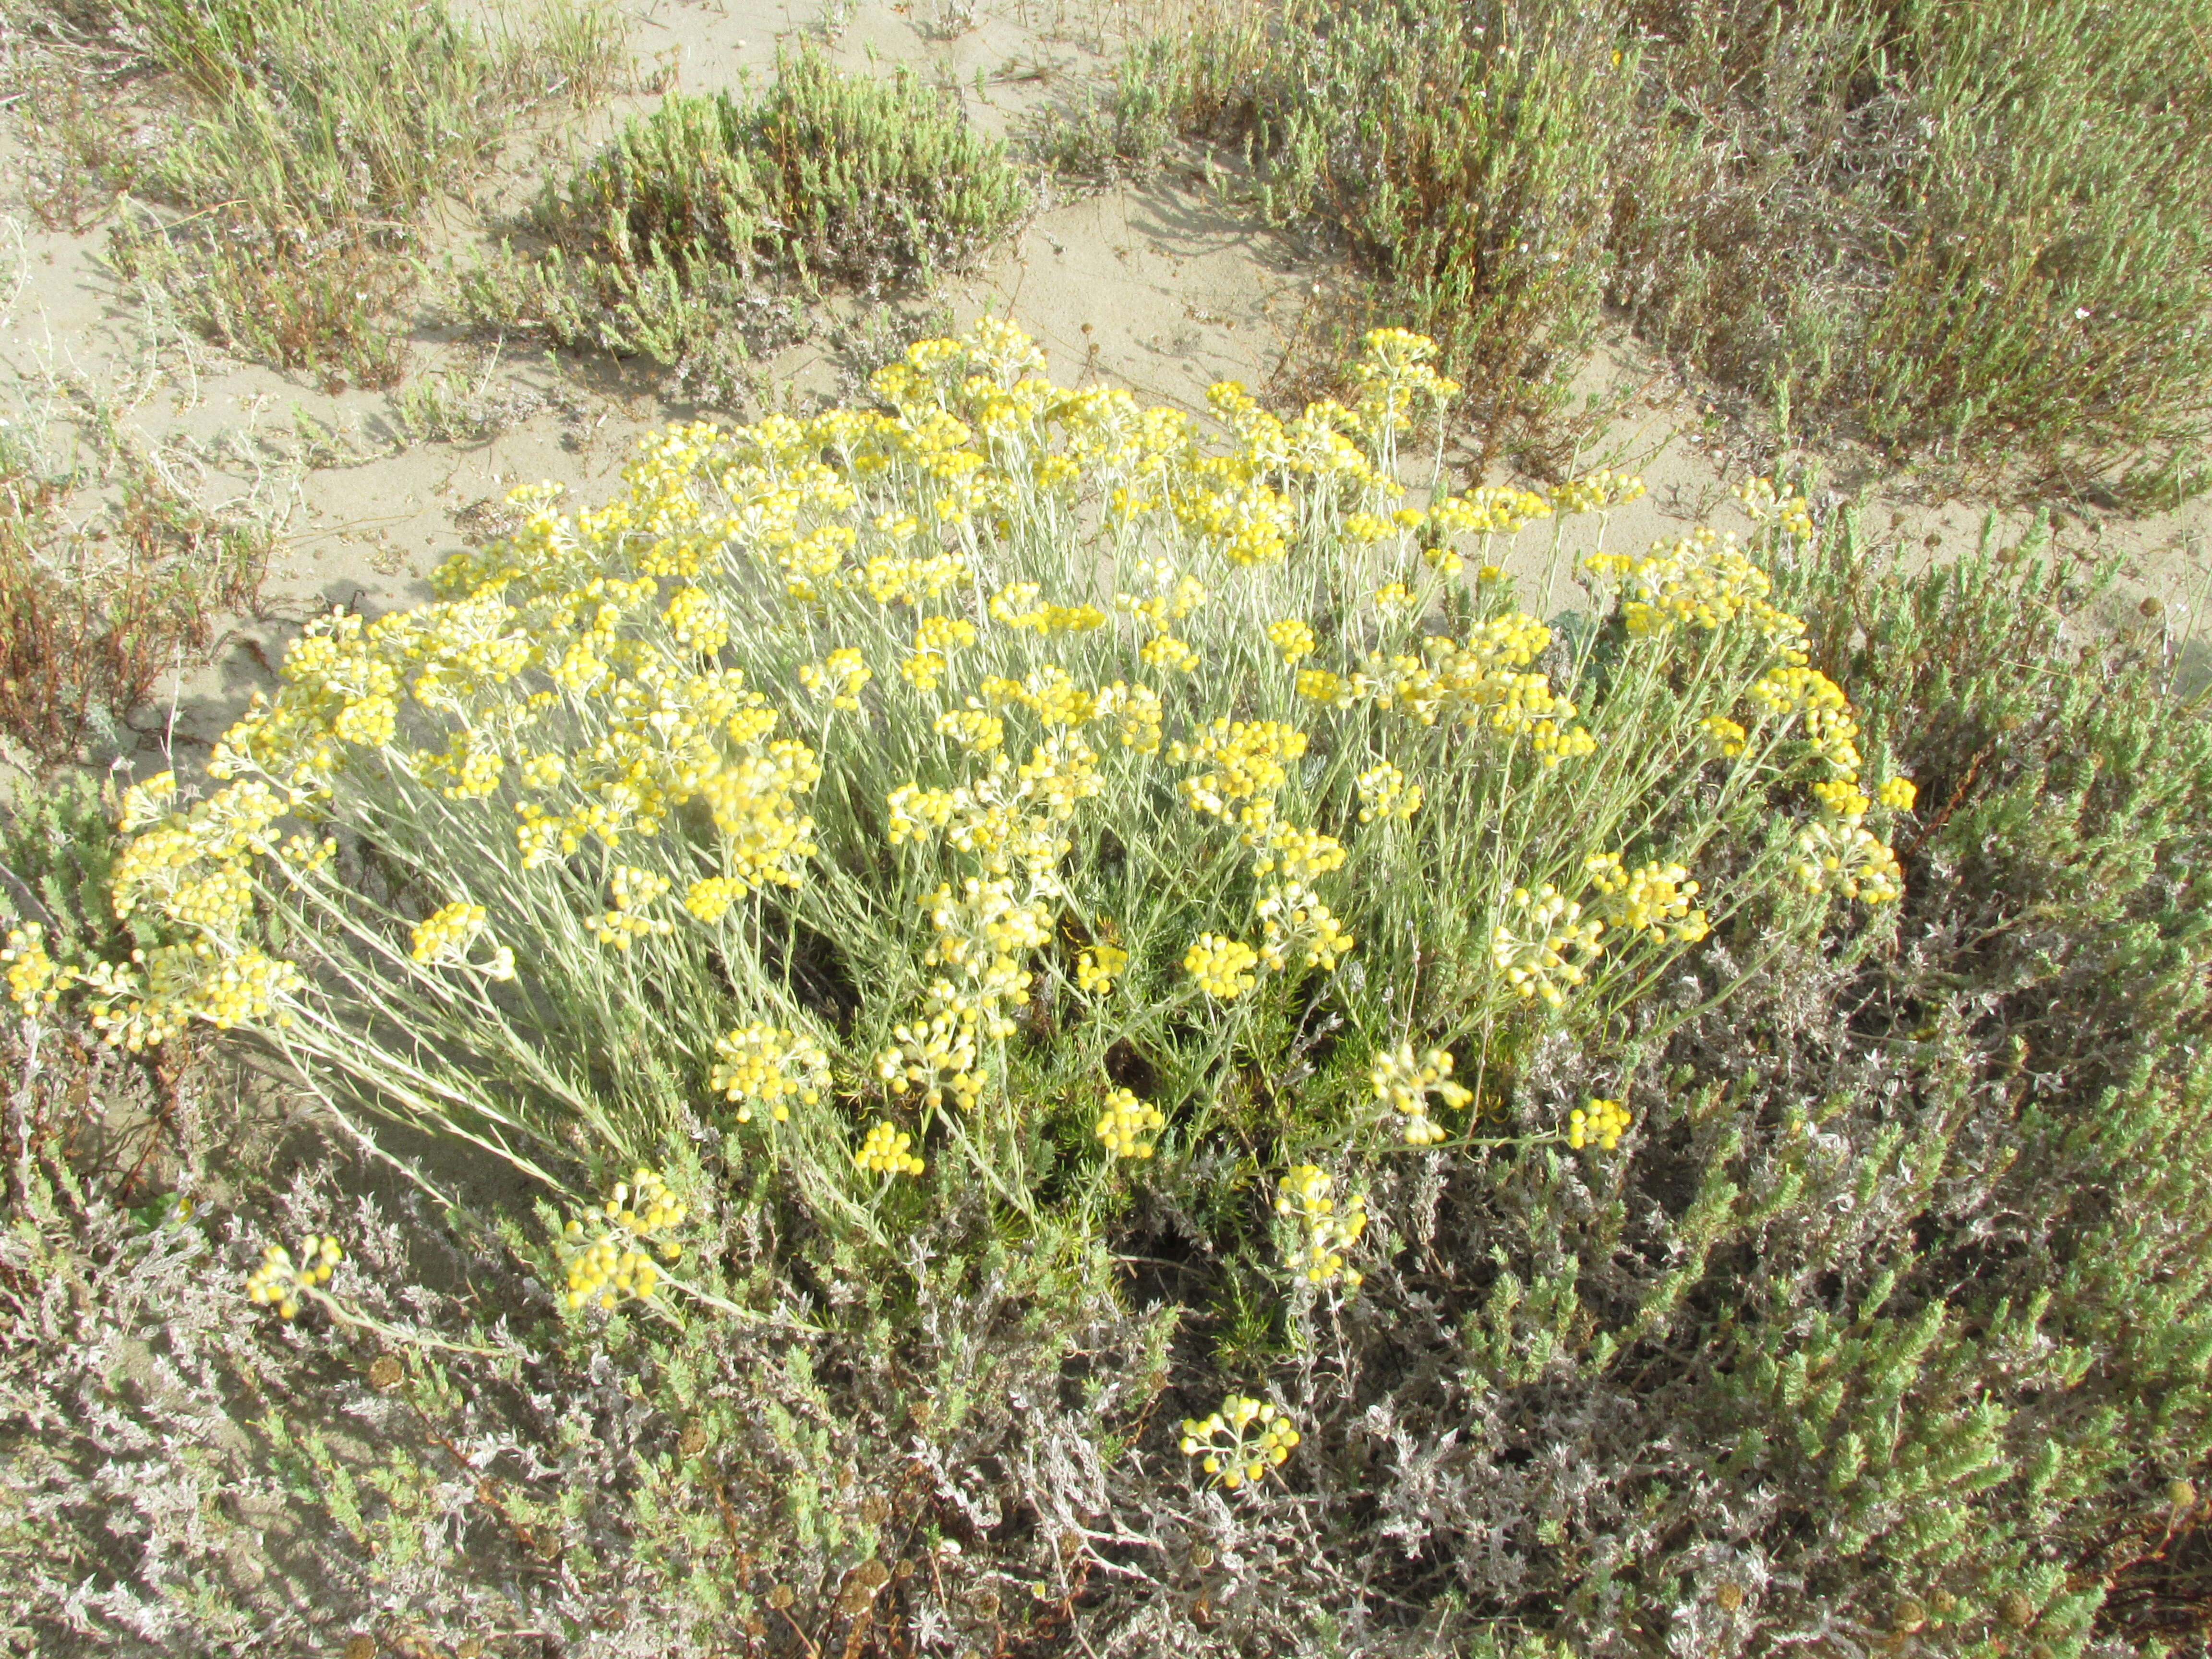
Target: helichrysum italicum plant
{"points": [[866, 786]]}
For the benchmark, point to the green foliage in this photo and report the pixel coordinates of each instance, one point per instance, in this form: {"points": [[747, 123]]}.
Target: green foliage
{"points": [[658, 247], [92, 617], [57, 849], [1927, 226]]}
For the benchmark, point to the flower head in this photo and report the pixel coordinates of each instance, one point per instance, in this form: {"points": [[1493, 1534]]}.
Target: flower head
{"points": [[1303, 1198], [1239, 1444], [279, 1282], [1601, 1123], [608, 1248], [1128, 1124]]}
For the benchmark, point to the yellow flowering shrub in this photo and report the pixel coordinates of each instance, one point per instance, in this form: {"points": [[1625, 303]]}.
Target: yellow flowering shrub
{"points": [[858, 792]]}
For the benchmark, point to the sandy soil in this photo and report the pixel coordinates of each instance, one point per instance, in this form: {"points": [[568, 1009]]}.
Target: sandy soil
{"points": [[1159, 287]]}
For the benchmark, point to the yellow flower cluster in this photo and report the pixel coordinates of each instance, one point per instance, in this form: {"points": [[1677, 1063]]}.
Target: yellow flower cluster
{"points": [[34, 979], [1292, 637], [1705, 582], [1549, 944], [1174, 597], [1897, 793], [1841, 800], [146, 1004], [983, 933], [1284, 849], [1128, 1124], [694, 621], [977, 732], [1222, 967], [1477, 681], [1653, 899], [1384, 794], [1133, 713], [1302, 1198], [1322, 685], [1839, 856], [1051, 694], [838, 677], [1239, 1444], [1392, 374], [1601, 1123], [625, 924], [892, 579], [1701, 580], [1791, 514], [1166, 651], [1247, 523], [445, 938], [607, 1249], [1595, 492], [934, 641], [1294, 920], [1244, 758], [1405, 1084], [553, 602], [1724, 734], [885, 1151], [1499, 511], [279, 1282], [1794, 689], [764, 1066], [190, 866], [1098, 967]]}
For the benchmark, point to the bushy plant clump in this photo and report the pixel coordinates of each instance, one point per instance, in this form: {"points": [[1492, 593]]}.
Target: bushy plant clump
{"points": [[662, 244], [1791, 1280], [112, 576], [1010, 771]]}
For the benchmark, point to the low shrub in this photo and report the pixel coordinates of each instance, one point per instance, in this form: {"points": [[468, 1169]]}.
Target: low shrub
{"points": [[560, 880], [660, 246], [1825, 1269], [112, 576]]}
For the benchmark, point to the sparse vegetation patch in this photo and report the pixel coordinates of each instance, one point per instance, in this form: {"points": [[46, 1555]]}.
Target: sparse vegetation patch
{"points": [[272, 164], [1964, 231]]}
